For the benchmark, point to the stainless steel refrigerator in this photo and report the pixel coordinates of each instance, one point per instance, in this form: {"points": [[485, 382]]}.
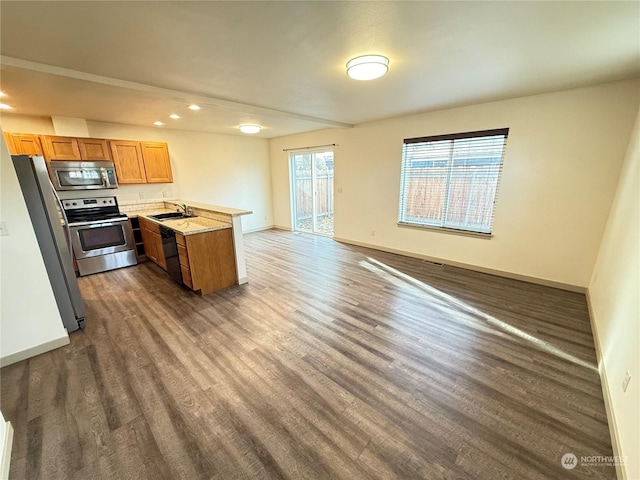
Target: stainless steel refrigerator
{"points": [[43, 203]]}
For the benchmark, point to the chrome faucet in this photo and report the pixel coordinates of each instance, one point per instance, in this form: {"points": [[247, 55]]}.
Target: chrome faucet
{"points": [[184, 207]]}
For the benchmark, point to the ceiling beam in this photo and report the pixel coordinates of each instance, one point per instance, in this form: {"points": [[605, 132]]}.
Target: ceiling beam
{"points": [[186, 97]]}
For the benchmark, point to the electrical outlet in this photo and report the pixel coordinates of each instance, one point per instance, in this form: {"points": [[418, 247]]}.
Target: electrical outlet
{"points": [[373, 233], [3, 229], [339, 189], [625, 382], [166, 194]]}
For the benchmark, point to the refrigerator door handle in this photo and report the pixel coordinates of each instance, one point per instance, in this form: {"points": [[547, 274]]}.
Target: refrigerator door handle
{"points": [[64, 217]]}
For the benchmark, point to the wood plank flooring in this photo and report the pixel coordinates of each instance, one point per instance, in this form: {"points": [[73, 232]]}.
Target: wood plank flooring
{"points": [[334, 362]]}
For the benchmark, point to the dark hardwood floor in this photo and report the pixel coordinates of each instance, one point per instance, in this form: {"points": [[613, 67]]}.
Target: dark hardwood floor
{"points": [[334, 362]]}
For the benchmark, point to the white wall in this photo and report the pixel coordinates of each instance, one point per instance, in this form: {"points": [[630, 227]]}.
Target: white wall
{"points": [[227, 170], [561, 166], [29, 316], [614, 294]]}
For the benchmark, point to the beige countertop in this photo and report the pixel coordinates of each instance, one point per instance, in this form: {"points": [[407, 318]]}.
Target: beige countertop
{"points": [[185, 226], [233, 212]]}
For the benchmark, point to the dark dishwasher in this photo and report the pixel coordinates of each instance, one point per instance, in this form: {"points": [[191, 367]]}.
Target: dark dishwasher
{"points": [[171, 257]]}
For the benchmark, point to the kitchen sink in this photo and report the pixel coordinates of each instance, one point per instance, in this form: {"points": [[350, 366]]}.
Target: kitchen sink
{"points": [[170, 216]]}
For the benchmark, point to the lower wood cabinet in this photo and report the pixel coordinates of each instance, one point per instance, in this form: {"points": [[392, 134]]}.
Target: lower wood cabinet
{"points": [[207, 260], [152, 242]]}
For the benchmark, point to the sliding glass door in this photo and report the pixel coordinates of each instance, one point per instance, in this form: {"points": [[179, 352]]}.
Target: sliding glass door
{"points": [[312, 191]]}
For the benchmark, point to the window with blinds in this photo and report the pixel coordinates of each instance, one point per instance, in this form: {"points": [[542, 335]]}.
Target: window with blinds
{"points": [[451, 181]]}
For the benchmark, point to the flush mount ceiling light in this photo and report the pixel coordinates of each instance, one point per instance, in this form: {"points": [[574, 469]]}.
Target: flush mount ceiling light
{"points": [[193, 107], [250, 128], [174, 116], [4, 106], [367, 67], [158, 123]]}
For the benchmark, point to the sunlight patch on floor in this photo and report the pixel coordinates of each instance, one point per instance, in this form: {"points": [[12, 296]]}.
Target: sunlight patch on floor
{"points": [[472, 317]]}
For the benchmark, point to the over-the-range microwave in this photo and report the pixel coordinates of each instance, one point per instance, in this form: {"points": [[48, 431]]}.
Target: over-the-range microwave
{"points": [[82, 175]]}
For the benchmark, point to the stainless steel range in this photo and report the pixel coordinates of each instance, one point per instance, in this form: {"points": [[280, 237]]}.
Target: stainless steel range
{"points": [[100, 235]]}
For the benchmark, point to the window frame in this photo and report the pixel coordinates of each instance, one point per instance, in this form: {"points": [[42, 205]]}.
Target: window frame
{"points": [[404, 172]]}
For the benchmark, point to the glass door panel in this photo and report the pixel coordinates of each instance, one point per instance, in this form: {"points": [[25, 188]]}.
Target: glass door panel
{"points": [[312, 192]]}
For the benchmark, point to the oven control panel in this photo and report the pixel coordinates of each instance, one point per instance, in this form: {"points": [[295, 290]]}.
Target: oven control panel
{"points": [[84, 203]]}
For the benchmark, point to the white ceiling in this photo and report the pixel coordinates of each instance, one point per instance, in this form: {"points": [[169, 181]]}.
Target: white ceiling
{"points": [[281, 64]]}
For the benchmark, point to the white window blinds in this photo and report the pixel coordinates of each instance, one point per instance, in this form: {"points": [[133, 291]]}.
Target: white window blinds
{"points": [[451, 181]]}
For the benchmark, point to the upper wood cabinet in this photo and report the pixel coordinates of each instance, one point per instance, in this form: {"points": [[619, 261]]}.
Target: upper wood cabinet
{"points": [[156, 162], [60, 148], [23, 144], [127, 157], [93, 149], [136, 162], [141, 162], [71, 148]]}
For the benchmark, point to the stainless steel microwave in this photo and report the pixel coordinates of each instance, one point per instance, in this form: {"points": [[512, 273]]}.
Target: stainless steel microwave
{"points": [[82, 175]]}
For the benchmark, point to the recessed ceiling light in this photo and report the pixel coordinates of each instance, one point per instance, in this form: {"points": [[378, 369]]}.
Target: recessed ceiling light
{"points": [[367, 67], [2, 94], [158, 123], [4, 106], [193, 107], [250, 128], [174, 116]]}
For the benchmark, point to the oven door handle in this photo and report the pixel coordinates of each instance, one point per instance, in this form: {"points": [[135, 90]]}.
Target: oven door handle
{"points": [[106, 223]]}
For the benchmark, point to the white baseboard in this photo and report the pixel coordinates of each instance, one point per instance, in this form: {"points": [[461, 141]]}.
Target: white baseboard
{"points": [[6, 452], [282, 227], [259, 229], [33, 351], [475, 268], [621, 472]]}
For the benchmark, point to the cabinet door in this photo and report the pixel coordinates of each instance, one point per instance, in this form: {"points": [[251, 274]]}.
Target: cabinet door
{"points": [[60, 148], [127, 157], [156, 162], [8, 139], [153, 242], [211, 260], [161, 260], [93, 149], [149, 242], [23, 143]]}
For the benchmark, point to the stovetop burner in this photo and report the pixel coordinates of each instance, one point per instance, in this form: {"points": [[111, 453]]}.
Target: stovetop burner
{"points": [[92, 209]]}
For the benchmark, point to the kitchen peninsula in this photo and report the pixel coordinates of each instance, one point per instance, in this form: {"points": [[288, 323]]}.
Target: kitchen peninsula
{"points": [[209, 240]]}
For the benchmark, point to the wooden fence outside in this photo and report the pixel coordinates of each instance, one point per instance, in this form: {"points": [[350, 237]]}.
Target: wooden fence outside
{"points": [[471, 198], [304, 196]]}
